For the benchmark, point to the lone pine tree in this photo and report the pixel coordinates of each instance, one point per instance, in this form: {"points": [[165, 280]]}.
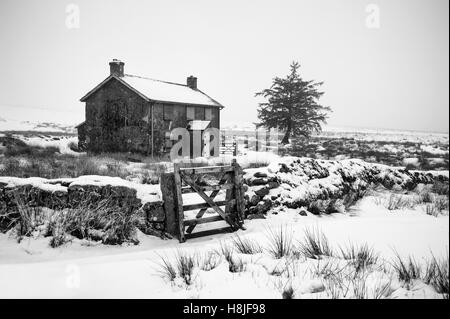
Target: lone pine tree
{"points": [[292, 106]]}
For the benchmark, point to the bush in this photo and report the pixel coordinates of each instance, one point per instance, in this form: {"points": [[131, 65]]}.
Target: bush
{"points": [[440, 188]]}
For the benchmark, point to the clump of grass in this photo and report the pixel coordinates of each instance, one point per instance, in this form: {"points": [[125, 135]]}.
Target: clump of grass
{"points": [[440, 188], [437, 275], [430, 209], [426, 197], [351, 199], [407, 270], [183, 267], [24, 218], [318, 207], [288, 292], [441, 203], [315, 245], [210, 261], [360, 256], [246, 246], [396, 202], [280, 242], [234, 264], [167, 270]]}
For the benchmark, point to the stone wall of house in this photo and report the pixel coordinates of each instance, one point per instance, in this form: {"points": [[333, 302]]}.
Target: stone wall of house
{"points": [[119, 120], [115, 120]]}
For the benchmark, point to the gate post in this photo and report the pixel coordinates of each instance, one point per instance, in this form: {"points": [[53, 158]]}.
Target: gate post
{"points": [[170, 203]]}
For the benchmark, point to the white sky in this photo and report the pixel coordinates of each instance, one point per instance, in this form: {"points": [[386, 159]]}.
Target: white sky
{"points": [[395, 77]]}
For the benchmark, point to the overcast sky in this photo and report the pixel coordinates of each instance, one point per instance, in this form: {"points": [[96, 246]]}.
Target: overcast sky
{"points": [[394, 76]]}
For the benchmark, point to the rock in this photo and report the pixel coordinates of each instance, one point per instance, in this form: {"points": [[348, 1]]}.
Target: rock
{"points": [[258, 181], [260, 175], [256, 216], [273, 185], [264, 206], [262, 191], [154, 212], [255, 200], [302, 212]]}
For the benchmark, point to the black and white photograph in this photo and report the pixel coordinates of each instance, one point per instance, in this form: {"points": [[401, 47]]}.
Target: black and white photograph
{"points": [[224, 150]]}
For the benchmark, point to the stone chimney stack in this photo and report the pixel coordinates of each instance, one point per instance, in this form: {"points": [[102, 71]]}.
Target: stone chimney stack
{"points": [[116, 67], [191, 82]]}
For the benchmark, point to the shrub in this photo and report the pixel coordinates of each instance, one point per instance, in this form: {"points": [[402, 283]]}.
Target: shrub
{"points": [[441, 203], [440, 188], [318, 207], [280, 242], [315, 245]]}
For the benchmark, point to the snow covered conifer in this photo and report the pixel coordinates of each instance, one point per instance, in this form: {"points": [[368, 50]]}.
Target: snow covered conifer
{"points": [[292, 106]]}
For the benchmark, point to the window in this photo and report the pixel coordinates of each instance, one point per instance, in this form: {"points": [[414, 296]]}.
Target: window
{"points": [[208, 114], [168, 112], [190, 113]]}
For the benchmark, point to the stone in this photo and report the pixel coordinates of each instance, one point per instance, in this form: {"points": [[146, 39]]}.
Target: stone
{"points": [[302, 212], [256, 216], [262, 191], [258, 181], [260, 175]]}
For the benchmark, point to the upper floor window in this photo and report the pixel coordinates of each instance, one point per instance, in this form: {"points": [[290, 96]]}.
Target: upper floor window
{"points": [[208, 114], [190, 113]]}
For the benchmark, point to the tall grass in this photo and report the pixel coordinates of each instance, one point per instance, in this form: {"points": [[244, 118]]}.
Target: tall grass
{"points": [[360, 256], [246, 246], [182, 267], [407, 270], [315, 245], [235, 264], [280, 242]]}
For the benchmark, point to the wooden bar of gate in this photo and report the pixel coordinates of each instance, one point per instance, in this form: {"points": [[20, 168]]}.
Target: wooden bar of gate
{"points": [[183, 181]]}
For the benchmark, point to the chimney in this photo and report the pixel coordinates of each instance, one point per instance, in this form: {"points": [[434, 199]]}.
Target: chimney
{"points": [[191, 82], [116, 67]]}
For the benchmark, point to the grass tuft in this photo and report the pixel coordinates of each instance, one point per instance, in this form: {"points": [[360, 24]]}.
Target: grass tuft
{"points": [[360, 257], [280, 242], [315, 245], [246, 246]]}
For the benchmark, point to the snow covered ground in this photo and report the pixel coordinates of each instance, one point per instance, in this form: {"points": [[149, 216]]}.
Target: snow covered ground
{"points": [[83, 269]]}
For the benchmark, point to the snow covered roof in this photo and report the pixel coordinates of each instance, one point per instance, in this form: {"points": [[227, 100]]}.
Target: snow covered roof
{"points": [[161, 91], [197, 125]]}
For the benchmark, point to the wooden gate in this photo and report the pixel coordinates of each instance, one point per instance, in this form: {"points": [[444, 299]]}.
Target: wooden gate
{"points": [[191, 180]]}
